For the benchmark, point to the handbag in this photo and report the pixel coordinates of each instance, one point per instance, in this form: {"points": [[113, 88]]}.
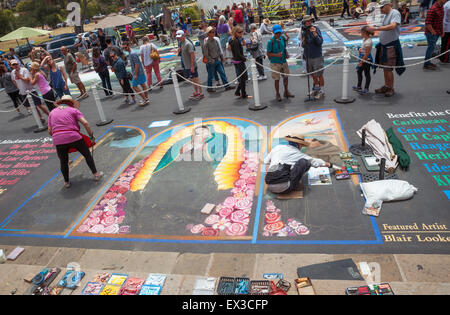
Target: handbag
{"points": [[154, 55]]}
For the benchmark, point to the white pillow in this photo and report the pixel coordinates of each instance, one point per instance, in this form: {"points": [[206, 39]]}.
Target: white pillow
{"points": [[388, 190]]}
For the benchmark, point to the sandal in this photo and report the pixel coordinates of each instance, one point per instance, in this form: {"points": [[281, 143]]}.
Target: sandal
{"points": [[67, 185]]}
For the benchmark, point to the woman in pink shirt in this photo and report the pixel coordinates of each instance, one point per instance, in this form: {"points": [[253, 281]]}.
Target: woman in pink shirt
{"points": [[63, 126], [39, 78]]}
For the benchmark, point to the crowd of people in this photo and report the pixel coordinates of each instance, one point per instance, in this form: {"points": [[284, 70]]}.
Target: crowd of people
{"points": [[221, 42]]}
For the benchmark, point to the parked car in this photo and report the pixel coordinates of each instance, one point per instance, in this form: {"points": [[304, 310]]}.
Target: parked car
{"points": [[65, 35], [23, 50], [54, 46]]}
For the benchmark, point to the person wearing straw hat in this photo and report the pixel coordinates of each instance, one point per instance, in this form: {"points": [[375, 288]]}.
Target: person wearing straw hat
{"points": [[286, 164], [404, 11], [63, 127], [213, 53], [264, 28]]}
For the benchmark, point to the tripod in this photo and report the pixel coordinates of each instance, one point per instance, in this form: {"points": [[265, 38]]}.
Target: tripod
{"points": [[305, 53]]}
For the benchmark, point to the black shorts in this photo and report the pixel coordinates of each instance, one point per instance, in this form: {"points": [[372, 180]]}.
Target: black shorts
{"points": [[191, 75]]}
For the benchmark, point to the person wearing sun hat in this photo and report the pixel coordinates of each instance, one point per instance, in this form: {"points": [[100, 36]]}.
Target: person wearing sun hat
{"points": [[286, 164], [264, 27], [63, 127]]}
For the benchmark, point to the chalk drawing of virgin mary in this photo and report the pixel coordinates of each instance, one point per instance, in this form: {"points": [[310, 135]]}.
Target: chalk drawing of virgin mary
{"points": [[177, 174]]}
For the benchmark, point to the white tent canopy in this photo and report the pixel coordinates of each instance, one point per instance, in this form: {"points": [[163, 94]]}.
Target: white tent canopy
{"points": [[114, 20]]}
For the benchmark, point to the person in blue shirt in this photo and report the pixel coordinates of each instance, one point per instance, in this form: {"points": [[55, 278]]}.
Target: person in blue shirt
{"points": [[5, 62], [138, 74], [277, 53], [122, 75]]}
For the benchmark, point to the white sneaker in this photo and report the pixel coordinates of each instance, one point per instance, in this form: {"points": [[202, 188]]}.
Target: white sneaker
{"points": [[320, 94]]}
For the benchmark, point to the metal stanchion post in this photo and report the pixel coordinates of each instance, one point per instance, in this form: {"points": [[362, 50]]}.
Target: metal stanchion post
{"points": [[103, 120], [382, 167], [40, 126], [345, 99], [257, 105], [181, 109]]}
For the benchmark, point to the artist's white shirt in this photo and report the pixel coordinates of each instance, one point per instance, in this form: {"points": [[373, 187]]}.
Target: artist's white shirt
{"points": [[287, 154], [447, 17]]}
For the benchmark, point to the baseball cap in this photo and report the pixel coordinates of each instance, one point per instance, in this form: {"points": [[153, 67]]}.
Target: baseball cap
{"points": [[14, 62], [180, 33], [384, 2], [277, 29]]}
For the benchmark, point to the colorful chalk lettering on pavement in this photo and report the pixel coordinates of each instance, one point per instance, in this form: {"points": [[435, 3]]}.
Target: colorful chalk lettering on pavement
{"points": [[428, 136], [19, 158], [180, 170], [322, 129]]}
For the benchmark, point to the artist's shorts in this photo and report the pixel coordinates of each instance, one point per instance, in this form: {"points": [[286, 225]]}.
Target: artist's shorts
{"points": [[140, 80], [391, 59], [74, 77], [315, 64], [279, 67]]}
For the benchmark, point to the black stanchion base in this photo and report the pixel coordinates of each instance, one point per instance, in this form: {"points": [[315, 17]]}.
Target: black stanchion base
{"points": [[104, 123], [179, 111], [358, 149], [448, 92], [37, 130], [344, 101], [260, 107]]}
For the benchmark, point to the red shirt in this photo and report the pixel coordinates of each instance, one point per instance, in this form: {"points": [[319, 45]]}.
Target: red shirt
{"points": [[238, 17], [435, 18]]}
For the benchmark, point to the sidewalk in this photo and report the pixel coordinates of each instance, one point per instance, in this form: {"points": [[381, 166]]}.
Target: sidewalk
{"points": [[407, 274]]}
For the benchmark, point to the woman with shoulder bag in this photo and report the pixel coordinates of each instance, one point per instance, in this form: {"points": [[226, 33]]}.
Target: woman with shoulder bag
{"points": [[150, 60], [239, 60], [101, 67], [63, 126], [256, 50]]}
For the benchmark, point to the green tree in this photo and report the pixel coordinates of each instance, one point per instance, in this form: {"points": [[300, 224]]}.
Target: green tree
{"points": [[7, 22], [38, 13]]}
